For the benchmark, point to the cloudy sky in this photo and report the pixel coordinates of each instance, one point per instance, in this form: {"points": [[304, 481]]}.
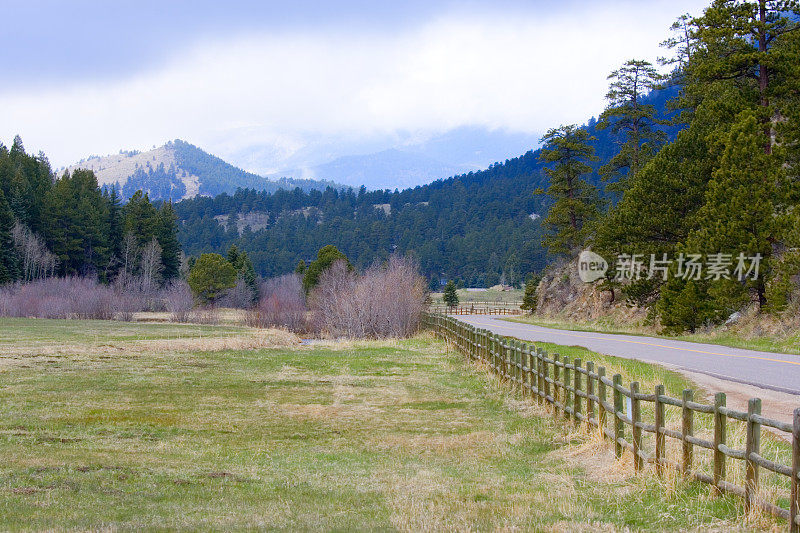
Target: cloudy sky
{"points": [[93, 77]]}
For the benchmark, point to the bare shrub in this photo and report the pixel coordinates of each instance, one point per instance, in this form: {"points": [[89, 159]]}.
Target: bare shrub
{"points": [[282, 304], [179, 300], [72, 297], [386, 301], [134, 294], [239, 297]]}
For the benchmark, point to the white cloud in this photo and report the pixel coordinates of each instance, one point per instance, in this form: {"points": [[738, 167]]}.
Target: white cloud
{"points": [[518, 71]]}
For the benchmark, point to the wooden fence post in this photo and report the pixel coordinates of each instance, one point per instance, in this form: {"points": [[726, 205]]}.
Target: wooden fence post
{"points": [[473, 343], [567, 385], [794, 510], [753, 446], [503, 358], [576, 399], [527, 372], [687, 430], [493, 352], [659, 436], [601, 393], [546, 376], [720, 431], [540, 376], [636, 419], [556, 372], [618, 427], [589, 392]]}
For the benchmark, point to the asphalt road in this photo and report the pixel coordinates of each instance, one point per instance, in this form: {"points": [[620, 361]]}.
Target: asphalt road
{"points": [[780, 372]]}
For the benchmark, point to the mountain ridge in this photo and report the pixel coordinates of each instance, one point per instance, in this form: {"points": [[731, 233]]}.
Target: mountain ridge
{"points": [[179, 170]]}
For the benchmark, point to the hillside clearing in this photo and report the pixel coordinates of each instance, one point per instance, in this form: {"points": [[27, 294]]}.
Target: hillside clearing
{"points": [[398, 435]]}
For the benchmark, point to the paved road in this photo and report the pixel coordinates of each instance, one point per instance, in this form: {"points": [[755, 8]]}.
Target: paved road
{"points": [[780, 372]]}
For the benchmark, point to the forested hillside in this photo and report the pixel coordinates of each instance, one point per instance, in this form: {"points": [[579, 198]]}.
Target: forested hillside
{"points": [[708, 223], [476, 227], [180, 170], [70, 226]]}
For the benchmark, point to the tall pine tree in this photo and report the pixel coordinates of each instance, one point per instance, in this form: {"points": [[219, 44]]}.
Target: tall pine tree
{"points": [[632, 121], [9, 262], [575, 201]]}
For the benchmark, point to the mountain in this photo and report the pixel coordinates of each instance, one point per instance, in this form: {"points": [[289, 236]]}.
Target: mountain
{"points": [[475, 226], [179, 170], [388, 169], [392, 161]]}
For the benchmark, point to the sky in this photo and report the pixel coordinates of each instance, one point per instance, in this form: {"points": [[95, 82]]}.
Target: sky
{"points": [[83, 78]]}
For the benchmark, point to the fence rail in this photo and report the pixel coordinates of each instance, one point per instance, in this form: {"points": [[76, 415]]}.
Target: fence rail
{"points": [[481, 309], [581, 393]]}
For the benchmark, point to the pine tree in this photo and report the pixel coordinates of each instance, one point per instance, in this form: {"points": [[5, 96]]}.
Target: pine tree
{"points": [[167, 236], [210, 277], [300, 269], [685, 306], [244, 269], [78, 224], [632, 121], [115, 232], [9, 262], [450, 295], [326, 256], [141, 218], [746, 192], [530, 297], [575, 201]]}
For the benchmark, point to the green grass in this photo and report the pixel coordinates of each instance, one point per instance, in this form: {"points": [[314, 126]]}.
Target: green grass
{"points": [[17, 330], [785, 343], [396, 435]]}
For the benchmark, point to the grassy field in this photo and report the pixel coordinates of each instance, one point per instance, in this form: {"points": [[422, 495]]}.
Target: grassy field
{"points": [[466, 297], [110, 426], [784, 341]]}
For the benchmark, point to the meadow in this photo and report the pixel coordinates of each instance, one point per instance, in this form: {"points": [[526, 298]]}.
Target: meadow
{"points": [[110, 425]]}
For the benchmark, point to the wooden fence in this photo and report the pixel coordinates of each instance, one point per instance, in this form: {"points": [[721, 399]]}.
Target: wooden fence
{"points": [[581, 393], [474, 310]]}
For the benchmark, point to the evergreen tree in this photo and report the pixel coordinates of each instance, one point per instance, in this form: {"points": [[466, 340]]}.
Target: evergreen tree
{"points": [[210, 277], [746, 192], [300, 269], [78, 224], [634, 122], [575, 201], [450, 295], [529, 298], [326, 256], [167, 236], [141, 218], [9, 262], [115, 231], [684, 306], [743, 45], [244, 270]]}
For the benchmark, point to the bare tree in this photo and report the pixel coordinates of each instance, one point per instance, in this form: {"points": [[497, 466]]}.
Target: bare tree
{"points": [[37, 261], [150, 267], [129, 259]]}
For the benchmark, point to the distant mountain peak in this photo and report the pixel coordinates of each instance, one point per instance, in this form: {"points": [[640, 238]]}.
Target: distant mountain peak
{"points": [[180, 170]]}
